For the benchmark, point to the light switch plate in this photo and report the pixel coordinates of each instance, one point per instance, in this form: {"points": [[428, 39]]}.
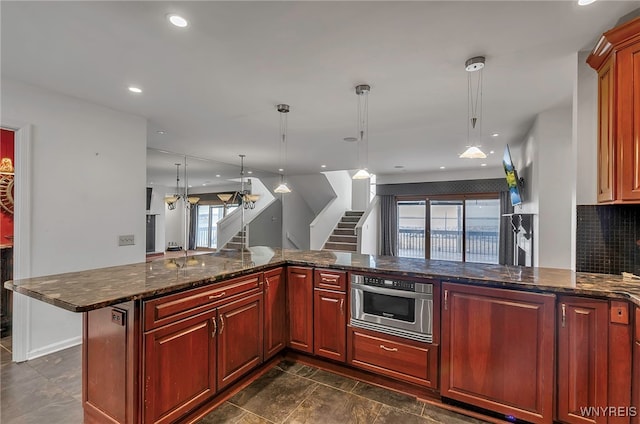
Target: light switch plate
{"points": [[127, 240]]}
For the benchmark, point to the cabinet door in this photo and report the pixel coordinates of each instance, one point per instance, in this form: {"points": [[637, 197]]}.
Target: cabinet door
{"points": [[240, 338], [635, 390], [180, 367], [628, 117], [498, 350], [582, 358], [300, 307], [330, 325], [275, 312], [606, 128]]}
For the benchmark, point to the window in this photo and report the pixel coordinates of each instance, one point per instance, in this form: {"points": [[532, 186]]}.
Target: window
{"points": [[207, 230], [457, 228]]}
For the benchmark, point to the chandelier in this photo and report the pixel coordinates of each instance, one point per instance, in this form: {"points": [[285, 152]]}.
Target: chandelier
{"points": [[248, 200], [172, 201]]}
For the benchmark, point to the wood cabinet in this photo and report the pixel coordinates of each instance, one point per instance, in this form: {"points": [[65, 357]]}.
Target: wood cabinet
{"points": [[330, 314], [240, 338], [616, 58], [582, 358], [198, 342], [498, 350], [275, 312], [635, 390], [393, 356], [300, 308], [179, 367], [330, 324]]}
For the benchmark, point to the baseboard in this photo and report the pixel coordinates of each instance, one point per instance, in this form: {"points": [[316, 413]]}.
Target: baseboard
{"points": [[54, 347]]}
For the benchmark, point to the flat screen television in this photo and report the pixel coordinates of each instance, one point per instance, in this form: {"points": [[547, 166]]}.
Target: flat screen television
{"points": [[513, 182]]}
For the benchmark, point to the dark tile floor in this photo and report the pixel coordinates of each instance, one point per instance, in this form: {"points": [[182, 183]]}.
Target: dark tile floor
{"points": [[48, 389], [296, 393]]}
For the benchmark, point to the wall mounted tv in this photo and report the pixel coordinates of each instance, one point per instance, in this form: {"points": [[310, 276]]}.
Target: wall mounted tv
{"points": [[513, 182]]}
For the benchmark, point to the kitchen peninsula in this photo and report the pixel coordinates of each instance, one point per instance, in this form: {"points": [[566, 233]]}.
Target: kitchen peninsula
{"points": [[527, 343]]}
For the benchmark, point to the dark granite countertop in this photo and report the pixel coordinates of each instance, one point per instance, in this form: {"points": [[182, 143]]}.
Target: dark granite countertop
{"points": [[93, 289]]}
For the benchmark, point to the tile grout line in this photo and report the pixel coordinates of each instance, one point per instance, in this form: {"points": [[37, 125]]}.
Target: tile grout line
{"points": [[301, 402], [246, 411]]}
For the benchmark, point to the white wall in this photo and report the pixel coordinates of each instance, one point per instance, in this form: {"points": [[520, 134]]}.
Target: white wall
{"points": [[586, 132], [447, 175], [360, 194], [327, 219], [369, 232], [545, 162], [88, 172]]}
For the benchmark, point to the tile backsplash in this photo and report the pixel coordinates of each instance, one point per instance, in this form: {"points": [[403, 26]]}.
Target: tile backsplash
{"points": [[608, 239]]}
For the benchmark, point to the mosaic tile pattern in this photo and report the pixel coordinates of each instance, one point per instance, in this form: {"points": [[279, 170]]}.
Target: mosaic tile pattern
{"points": [[608, 239]]}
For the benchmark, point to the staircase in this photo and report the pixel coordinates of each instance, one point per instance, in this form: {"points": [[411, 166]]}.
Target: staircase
{"points": [[344, 237], [236, 242]]}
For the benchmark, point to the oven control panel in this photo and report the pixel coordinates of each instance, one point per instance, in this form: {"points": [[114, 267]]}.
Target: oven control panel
{"points": [[390, 284]]}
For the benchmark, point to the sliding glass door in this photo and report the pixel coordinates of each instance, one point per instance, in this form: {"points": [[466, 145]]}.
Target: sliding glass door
{"points": [[451, 228]]}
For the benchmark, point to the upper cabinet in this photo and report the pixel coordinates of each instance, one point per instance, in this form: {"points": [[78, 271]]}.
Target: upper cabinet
{"points": [[616, 58]]}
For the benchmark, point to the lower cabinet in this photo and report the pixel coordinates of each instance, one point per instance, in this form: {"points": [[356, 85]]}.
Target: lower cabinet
{"points": [[582, 358], [392, 356], [179, 367], [498, 350], [300, 308], [240, 342], [635, 390], [275, 312], [330, 324]]}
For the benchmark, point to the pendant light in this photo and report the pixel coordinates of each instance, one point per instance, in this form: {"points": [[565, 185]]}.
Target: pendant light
{"points": [[248, 200], [474, 107], [283, 109], [362, 92]]}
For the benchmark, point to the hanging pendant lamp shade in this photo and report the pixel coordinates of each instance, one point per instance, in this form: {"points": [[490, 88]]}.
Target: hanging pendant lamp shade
{"points": [[282, 187], [474, 108], [362, 91]]}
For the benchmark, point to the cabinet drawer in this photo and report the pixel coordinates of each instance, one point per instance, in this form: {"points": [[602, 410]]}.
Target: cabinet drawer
{"points": [[403, 359], [330, 279], [167, 309]]}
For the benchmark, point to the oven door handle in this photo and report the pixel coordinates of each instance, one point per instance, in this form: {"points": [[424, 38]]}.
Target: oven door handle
{"points": [[391, 292]]}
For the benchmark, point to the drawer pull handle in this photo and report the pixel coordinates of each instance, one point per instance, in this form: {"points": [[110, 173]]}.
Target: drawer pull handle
{"points": [[221, 324], [215, 327], [329, 279], [217, 296], [389, 349]]}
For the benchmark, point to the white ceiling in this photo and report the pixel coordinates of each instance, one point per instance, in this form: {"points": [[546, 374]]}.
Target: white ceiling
{"points": [[213, 86]]}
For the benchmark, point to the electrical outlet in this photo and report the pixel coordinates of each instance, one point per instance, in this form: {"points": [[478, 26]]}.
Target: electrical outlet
{"points": [[127, 240]]}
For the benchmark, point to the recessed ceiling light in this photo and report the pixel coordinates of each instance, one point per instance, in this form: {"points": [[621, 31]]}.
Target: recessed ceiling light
{"points": [[249, 172], [280, 169], [178, 21], [204, 184], [218, 175], [585, 2], [323, 166], [136, 90], [442, 167], [495, 134], [491, 152], [483, 164], [190, 186], [161, 132]]}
